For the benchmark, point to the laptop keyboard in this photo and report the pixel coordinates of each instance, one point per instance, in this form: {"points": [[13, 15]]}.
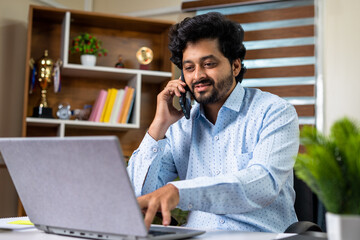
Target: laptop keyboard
{"points": [[159, 233]]}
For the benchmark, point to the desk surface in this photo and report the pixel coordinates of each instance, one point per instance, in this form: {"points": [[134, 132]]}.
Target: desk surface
{"points": [[34, 234], [21, 230]]}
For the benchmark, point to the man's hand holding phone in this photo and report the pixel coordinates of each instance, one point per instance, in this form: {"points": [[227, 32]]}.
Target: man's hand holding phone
{"points": [[166, 114]]}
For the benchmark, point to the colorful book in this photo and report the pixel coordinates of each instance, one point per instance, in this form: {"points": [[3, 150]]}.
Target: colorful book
{"points": [[112, 97], [100, 105], [127, 104], [105, 106], [117, 105], [95, 106], [131, 107], [126, 91]]}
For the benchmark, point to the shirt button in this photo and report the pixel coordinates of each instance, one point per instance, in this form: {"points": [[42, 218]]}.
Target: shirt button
{"points": [[190, 206], [217, 172], [222, 221], [216, 138], [155, 150]]}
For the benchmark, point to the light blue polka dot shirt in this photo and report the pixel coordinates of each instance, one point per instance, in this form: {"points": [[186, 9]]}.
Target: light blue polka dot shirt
{"points": [[234, 175]]}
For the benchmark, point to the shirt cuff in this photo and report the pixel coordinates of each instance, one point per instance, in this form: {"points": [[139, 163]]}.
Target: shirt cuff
{"points": [[188, 196], [150, 144]]}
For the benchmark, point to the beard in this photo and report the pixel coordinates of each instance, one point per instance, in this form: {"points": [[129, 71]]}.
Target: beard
{"points": [[218, 91]]}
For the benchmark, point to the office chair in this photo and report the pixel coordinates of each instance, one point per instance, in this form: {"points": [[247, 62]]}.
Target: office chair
{"points": [[306, 208]]}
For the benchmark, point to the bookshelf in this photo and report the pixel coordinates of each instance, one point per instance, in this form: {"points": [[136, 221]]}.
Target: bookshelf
{"points": [[53, 30]]}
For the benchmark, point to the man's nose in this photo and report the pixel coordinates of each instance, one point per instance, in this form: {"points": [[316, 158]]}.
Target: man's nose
{"points": [[199, 73]]}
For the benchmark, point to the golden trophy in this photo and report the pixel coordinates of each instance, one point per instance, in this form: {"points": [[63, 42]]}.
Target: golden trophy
{"points": [[44, 75], [144, 56]]}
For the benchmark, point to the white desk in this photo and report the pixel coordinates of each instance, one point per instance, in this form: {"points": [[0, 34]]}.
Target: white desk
{"points": [[34, 234], [29, 232]]}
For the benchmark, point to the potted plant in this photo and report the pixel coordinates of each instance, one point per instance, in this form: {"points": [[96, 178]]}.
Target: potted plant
{"points": [[331, 168], [89, 47]]}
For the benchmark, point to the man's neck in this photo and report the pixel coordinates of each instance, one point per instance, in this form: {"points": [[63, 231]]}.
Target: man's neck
{"points": [[211, 111]]}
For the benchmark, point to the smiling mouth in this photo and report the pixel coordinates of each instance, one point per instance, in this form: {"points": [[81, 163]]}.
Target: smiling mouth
{"points": [[202, 86]]}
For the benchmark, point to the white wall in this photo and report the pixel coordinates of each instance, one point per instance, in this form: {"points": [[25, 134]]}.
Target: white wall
{"points": [[340, 48]]}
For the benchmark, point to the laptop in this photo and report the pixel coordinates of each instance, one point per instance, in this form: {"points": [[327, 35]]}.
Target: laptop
{"points": [[79, 186]]}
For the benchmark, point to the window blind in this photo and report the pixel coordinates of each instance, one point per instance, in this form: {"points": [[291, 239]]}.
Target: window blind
{"points": [[280, 42]]}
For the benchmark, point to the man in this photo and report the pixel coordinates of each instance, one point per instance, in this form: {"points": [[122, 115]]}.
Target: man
{"points": [[234, 156]]}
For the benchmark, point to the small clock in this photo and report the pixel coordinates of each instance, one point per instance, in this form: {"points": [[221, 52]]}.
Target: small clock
{"points": [[63, 112]]}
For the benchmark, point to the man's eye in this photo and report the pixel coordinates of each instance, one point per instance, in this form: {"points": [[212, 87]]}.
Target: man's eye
{"points": [[188, 68], [210, 64]]}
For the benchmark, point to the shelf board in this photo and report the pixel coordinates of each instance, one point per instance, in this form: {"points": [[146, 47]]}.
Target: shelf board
{"points": [[78, 70], [77, 123]]}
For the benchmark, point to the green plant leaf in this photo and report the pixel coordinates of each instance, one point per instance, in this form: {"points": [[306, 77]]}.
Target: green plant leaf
{"points": [[331, 166], [85, 43]]}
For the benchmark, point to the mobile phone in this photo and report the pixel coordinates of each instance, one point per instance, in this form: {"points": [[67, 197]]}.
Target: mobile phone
{"points": [[185, 99]]}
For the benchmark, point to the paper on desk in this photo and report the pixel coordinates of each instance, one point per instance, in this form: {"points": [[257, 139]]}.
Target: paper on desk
{"points": [[284, 235], [15, 223]]}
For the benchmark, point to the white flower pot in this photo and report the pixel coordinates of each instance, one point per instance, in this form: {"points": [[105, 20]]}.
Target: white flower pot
{"points": [[88, 60], [342, 227]]}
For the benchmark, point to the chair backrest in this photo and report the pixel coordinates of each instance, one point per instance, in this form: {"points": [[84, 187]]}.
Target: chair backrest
{"points": [[306, 202], [306, 208]]}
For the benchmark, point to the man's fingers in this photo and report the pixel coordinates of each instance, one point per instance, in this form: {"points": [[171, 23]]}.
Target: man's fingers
{"points": [[150, 214], [166, 215], [164, 199], [175, 87]]}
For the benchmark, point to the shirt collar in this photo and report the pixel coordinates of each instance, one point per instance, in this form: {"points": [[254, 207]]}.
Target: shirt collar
{"points": [[235, 99], [233, 102]]}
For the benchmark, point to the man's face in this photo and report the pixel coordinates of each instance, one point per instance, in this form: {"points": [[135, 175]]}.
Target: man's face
{"points": [[208, 72]]}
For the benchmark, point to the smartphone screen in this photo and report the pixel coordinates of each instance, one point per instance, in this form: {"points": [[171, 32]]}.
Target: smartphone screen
{"points": [[185, 99]]}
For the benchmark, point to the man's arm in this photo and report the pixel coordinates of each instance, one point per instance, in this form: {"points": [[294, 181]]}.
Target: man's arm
{"points": [[146, 169], [166, 114], [144, 164]]}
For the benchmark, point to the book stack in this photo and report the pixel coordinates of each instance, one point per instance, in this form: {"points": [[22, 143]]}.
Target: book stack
{"points": [[113, 105]]}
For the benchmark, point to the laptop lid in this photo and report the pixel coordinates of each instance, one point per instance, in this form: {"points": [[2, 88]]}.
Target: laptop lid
{"points": [[74, 183]]}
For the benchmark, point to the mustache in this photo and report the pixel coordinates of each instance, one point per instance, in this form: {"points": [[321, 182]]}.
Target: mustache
{"points": [[202, 81]]}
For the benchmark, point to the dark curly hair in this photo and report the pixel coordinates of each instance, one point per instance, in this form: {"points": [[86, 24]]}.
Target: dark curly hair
{"points": [[212, 25]]}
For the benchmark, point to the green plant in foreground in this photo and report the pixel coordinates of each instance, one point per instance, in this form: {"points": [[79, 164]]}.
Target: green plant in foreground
{"points": [[331, 166]]}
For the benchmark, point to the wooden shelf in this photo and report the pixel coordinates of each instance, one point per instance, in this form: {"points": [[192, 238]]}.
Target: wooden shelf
{"points": [[77, 70], [53, 29], [62, 125]]}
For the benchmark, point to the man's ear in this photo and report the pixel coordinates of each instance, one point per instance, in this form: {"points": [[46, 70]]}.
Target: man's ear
{"points": [[236, 67]]}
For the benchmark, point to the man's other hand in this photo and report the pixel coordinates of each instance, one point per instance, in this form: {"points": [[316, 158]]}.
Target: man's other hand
{"points": [[162, 200]]}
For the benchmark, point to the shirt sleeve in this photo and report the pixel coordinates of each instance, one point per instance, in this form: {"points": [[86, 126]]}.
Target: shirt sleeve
{"points": [[260, 182], [147, 168]]}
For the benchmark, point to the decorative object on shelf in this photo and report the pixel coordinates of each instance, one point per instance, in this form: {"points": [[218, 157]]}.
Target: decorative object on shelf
{"points": [[43, 73], [88, 60], [331, 168], [33, 67], [120, 63], [89, 47], [144, 56], [57, 78], [82, 114], [63, 112]]}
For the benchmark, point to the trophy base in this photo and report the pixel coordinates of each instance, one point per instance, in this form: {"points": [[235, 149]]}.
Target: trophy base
{"points": [[144, 67], [42, 112]]}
